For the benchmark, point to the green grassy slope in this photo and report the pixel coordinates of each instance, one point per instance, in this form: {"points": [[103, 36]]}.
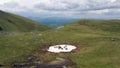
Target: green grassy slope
{"points": [[12, 22], [98, 44]]}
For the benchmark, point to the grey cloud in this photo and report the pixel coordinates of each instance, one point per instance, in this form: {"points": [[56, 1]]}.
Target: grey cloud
{"points": [[94, 5], [90, 5], [11, 4], [68, 6], [78, 9], [44, 7], [113, 12]]}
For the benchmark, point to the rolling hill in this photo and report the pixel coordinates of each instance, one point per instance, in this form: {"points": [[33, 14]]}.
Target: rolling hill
{"points": [[12, 22], [97, 42]]}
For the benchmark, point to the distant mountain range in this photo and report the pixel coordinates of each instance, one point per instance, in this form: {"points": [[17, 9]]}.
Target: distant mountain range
{"points": [[57, 21], [54, 21]]}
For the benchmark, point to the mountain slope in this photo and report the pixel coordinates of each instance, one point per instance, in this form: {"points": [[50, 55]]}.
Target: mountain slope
{"points": [[99, 25], [97, 42], [12, 22]]}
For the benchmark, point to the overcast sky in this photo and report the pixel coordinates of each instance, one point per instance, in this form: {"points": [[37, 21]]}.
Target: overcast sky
{"points": [[96, 9]]}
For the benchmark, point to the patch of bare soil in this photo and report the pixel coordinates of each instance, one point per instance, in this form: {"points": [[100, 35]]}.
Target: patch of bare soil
{"points": [[57, 63]]}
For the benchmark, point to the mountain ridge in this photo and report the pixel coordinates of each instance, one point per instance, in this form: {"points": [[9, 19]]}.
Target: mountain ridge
{"points": [[13, 22]]}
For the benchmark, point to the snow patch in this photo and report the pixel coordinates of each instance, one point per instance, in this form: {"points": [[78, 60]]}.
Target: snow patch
{"points": [[61, 48], [40, 34], [60, 27]]}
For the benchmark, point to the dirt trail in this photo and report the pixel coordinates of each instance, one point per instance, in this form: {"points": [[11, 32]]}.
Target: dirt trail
{"points": [[58, 63]]}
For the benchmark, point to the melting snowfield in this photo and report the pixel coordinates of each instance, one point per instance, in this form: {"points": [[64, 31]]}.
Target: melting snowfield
{"points": [[61, 48]]}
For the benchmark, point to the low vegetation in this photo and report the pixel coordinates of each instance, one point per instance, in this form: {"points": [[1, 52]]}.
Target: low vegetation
{"points": [[12, 22], [98, 44]]}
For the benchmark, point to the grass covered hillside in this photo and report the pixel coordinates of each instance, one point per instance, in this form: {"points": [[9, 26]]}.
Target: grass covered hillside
{"points": [[97, 42], [12, 22]]}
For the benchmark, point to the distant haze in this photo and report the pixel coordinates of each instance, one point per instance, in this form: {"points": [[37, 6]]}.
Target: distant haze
{"points": [[54, 22]]}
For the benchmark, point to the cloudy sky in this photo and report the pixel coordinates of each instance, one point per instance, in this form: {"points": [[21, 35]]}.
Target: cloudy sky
{"points": [[81, 9]]}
